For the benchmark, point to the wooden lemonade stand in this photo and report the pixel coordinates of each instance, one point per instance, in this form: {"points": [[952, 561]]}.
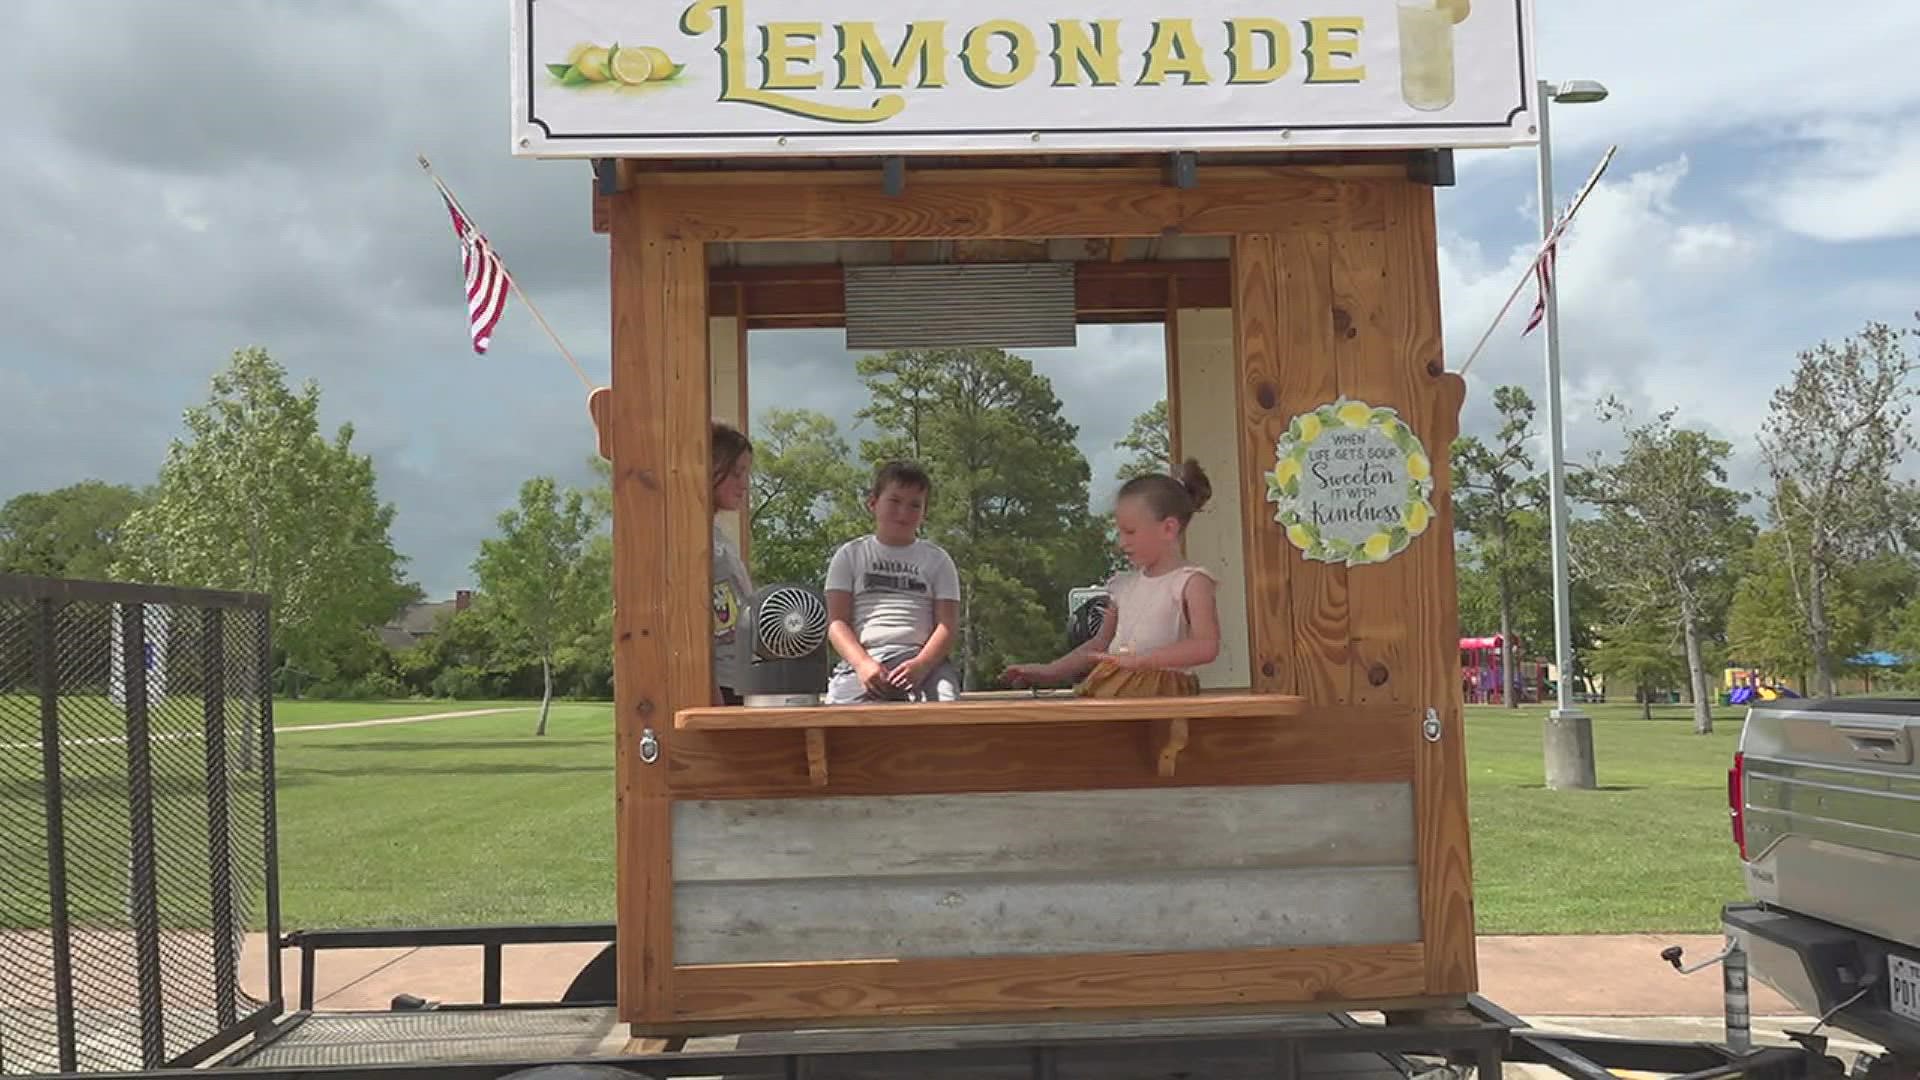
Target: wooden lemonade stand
{"points": [[1296, 837]]}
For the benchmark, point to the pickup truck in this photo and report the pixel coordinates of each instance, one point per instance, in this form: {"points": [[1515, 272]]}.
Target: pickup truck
{"points": [[1825, 803]]}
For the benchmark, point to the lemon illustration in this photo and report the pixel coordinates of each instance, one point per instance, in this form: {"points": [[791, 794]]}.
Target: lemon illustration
{"points": [[1354, 414], [1418, 518], [574, 54], [1459, 9], [1299, 537], [1287, 470], [1309, 428], [663, 64], [631, 66], [592, 65], [1376, 547], [1418, 466]]}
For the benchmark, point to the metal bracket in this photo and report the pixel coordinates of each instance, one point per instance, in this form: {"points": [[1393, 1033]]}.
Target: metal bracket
{"points": [[649, 746], [606, 176], [1430, 727], [1431, 167], [1183, 169], [893, 172]]}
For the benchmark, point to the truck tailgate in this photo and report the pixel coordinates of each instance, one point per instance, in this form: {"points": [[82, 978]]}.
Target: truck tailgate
{"points": [[1831, 807]]}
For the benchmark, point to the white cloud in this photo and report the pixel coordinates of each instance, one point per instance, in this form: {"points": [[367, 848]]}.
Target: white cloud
{"points": [[1859, 181], [1645, 295]]}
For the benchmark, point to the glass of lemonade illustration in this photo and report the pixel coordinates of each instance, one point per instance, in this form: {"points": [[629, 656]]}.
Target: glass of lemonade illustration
{"points": [[1426, 53]]}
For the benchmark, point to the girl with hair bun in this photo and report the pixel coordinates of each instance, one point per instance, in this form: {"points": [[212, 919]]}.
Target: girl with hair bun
{"points": [[1162, 621]]}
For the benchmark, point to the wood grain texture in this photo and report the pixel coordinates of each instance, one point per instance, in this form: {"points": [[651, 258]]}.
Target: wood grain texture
{"points": [[1037, 710], [1256, 328], [1061, 832], [1044, 914], [1169, 738], [1013, 205], [1310, 325], [1336, 744], [643, 830], [817, 756], [1024, 985], [1440, 783], [1372, 329]]}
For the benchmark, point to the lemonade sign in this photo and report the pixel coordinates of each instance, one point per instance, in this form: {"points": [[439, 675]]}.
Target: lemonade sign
{"points": [[1351, 483], [786, 77]]}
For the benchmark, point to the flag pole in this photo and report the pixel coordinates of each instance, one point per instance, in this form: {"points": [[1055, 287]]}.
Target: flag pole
{"points": [[512, 282], [1553, 237]]}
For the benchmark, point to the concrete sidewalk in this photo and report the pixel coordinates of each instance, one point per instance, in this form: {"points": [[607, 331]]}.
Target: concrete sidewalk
{"points": [[1588, 976]]}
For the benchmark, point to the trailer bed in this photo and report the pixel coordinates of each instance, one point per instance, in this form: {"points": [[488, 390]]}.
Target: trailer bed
{"points": [[494, 1042]]}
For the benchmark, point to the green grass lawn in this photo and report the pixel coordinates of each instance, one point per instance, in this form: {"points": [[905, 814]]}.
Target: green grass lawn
{"points": [[475, 820], [1650, 851]]}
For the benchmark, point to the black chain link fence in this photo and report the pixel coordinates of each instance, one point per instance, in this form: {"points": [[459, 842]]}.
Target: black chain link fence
{"points": [[137, 861]]}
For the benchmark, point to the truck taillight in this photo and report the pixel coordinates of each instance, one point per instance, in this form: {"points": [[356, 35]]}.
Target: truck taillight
{"points": [[1736, 802]]}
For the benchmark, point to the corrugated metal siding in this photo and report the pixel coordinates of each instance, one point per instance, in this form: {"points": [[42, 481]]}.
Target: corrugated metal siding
{"points": [[1003, 305]]}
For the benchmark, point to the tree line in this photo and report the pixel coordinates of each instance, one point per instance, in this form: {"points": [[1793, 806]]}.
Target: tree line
{"points": [[1677, 574], [1675, 571]]}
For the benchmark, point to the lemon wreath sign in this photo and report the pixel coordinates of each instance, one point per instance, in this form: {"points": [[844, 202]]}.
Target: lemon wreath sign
{"points": [[1351, 483]]}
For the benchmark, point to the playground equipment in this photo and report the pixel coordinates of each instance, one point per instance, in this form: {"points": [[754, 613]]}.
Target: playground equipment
{"points": [[1744, 686], [1480, 673]]}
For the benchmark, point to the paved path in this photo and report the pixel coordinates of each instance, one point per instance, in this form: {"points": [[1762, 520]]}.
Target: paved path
{"points": [[178, 736], [337, 726]]}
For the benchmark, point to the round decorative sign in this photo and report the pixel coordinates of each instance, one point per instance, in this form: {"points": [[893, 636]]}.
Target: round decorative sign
{"points": [[1351, 483]]}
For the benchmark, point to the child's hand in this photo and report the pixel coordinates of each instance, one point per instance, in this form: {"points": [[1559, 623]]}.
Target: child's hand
{"points": [[908, 674], [1024, 674], [874, 677]]}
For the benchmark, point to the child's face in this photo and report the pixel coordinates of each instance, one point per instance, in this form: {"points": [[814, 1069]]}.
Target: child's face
{"points": [[898, 512], [730, 491], [1143, 539]]}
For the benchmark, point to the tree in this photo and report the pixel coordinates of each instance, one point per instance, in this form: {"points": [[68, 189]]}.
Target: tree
{"points": [[72, 532], [1496, 495], [1151, 440], [255, 498], [1667, 536], [537, 575], [1642, 653], [1010, 490], [806, 496], [1832, 437]]}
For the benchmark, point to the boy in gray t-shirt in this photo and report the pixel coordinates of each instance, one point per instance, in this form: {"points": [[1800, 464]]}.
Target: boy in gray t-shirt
{"points": [[893, 601]]}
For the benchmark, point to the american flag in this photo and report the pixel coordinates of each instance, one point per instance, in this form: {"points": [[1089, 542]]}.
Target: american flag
{"points": [[487, 281], [1544, 271]]}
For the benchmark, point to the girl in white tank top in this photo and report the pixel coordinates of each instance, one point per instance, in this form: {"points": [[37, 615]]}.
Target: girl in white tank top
{"points": [[1162, 621]]}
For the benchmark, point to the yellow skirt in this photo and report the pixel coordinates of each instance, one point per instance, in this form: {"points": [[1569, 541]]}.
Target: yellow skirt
{"points": [[1107, 680]]}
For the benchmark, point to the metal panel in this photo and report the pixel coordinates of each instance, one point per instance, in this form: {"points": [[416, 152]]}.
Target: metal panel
{"points": [[1038, 914], [1003, 305], [1055, 832], [135, 824]]}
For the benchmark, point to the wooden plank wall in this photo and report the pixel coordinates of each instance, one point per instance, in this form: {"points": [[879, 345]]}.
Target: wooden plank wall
{"points": [[1352, 307], [1078, 872]]}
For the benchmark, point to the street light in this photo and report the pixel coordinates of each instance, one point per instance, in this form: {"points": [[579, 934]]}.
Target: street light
{"points": [[1569, 733]]}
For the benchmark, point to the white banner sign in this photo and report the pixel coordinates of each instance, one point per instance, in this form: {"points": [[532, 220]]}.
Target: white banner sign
{"points": [[791, 77]]}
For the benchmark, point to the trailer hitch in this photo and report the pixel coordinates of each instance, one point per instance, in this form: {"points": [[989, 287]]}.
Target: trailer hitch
{"points": [[1733, 989]]}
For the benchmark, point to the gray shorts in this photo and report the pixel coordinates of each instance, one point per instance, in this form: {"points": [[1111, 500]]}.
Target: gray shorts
{"points": [[844, 686]]}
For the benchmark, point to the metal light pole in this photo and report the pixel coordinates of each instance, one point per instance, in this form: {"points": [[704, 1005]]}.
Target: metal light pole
{"points": [[1569, 732]]}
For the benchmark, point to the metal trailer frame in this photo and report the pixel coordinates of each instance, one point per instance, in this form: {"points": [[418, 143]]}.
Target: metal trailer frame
{"points": [[1481, 1036]]}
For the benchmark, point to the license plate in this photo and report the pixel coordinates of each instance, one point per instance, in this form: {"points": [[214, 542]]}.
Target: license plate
{"points": [[1903, 986]]}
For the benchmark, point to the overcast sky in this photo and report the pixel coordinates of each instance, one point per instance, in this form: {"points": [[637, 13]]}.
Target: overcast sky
{"points": [[179, 179]]}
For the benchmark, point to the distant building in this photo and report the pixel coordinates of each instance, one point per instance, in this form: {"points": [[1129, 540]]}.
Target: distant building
{"points": [[417, 622]]}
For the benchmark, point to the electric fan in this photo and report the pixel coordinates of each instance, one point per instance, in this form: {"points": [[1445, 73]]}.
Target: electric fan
{"points": [[1089, 615], [784, 658]]}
